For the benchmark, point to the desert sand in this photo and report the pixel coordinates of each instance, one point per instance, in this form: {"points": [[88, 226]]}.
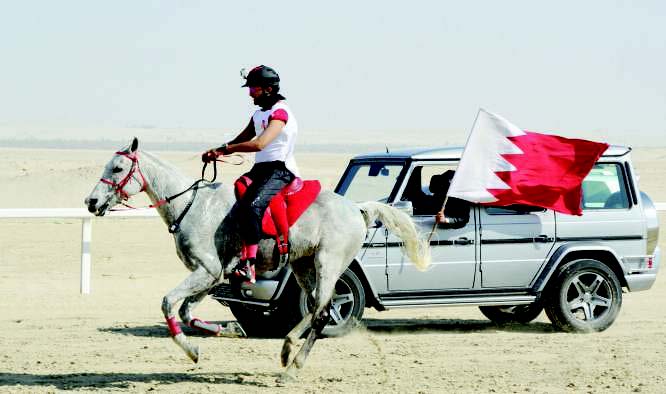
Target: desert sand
{"points": [[114, 340]]}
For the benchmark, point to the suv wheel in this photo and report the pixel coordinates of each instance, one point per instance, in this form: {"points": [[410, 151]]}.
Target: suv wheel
{"points": [[259, 322], [512, 313], [347, 305], [585, 296]]}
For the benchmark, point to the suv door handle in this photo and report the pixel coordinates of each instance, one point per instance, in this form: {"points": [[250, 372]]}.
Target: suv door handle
{"points": [[543, 238], [463, 241]]}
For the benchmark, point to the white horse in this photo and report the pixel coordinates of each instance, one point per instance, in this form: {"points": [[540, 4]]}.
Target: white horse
{"points": [[324, 240]]}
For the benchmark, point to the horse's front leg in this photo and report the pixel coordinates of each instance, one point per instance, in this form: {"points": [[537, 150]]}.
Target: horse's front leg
{"points": [[199, 281], [185, 313], [232, 329]]}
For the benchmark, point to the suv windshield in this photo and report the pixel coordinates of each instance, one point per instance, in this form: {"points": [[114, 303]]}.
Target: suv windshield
{"points": [[370, 181]]}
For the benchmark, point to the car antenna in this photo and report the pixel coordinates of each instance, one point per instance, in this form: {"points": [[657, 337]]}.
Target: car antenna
{"points": [[387, 151]]}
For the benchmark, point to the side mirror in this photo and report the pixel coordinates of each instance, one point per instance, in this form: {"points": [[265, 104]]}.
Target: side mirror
{"points": [[404, 206]]}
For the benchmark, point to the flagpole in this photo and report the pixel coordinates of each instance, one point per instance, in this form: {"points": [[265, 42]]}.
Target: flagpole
{"points": [[434, 225]]}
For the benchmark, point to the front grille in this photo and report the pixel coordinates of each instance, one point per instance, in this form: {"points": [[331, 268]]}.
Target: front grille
{"points": [[224, 293], [222, 290]]}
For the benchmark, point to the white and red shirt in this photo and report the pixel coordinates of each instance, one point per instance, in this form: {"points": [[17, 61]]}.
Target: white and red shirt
{"points": [[282, 147]]}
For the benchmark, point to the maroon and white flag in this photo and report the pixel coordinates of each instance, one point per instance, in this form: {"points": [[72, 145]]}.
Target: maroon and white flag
{"points": [[503, 165]]}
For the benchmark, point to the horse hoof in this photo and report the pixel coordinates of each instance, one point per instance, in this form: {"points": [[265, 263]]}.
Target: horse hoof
{"points": [[191, 351], [286, 351], [194, 354], [232, 330], [286, 377]]}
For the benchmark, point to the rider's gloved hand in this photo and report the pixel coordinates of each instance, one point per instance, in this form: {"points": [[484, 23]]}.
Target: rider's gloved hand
{"points": [[212, 154], [208, 156], [222, 150]]}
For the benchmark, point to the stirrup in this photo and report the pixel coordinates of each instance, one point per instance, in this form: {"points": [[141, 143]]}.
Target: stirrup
{"points": [[284, 259], [245, 270], [283, 250]]}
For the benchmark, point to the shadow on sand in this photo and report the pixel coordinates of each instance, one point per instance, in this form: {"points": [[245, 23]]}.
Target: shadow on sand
{"points": [[93, 381], [154, 331], [451, 326], [374, 325]]}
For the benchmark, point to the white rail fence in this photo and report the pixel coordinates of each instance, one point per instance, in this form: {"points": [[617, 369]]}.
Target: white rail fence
{"points": [[86, 228]]}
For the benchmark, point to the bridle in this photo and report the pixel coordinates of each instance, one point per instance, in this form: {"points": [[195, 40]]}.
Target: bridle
{"points": [[119, 188]]}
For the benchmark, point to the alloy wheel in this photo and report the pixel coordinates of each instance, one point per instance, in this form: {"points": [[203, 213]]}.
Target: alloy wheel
{"points": [[588, 296]]}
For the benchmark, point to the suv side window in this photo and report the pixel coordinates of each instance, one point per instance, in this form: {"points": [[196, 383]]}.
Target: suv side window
{"points": [[419, 189], [605, 188]]}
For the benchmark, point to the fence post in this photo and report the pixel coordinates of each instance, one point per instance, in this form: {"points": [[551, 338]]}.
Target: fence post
{"points": [[86, 238]]}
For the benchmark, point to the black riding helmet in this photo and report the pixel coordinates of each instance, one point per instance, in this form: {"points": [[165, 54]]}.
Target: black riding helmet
{"points": [[262, 76]]}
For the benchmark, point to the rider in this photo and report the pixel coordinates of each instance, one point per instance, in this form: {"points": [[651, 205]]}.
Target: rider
{"points": [[271, 133]]}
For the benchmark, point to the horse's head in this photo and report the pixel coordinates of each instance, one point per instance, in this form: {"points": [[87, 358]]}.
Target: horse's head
{"points": [[121, 179]]}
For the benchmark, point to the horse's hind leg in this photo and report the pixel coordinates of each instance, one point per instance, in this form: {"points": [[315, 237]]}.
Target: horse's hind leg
{"points": [[327, 276], [198, 281], [306, 276], [185, 313], [293, 336], [318, 323]]}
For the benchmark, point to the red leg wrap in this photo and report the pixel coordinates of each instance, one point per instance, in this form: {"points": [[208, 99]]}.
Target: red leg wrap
{"points": [[203, 325], [243, 253], [174, 327], [251, 251]]}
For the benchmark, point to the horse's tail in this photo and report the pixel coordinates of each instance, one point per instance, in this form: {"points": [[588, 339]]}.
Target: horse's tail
{"points": [[402, 225]]}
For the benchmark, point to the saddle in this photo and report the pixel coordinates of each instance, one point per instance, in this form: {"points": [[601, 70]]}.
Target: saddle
{"points": [[284, 209]]}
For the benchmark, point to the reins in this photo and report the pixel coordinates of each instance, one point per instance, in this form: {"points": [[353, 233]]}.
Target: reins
{"points": [[175, 226]]}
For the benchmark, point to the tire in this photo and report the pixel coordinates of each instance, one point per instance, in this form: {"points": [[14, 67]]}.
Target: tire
{"points": [[270, 323], [294, 304], [512, 313], [255, 322], [347, 305], [583, 296]]}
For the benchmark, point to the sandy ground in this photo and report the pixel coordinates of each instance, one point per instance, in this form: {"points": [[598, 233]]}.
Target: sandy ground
{"points": [[114, 339]]}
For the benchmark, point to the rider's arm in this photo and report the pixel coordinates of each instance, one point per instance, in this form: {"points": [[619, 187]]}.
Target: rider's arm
{"points": [[274, 128], [244, 135]]}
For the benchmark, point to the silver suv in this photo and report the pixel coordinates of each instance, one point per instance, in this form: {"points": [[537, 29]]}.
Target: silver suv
{"points": [[512, 262]]}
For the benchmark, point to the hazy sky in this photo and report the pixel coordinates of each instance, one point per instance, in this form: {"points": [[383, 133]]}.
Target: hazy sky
{"points": [[353, 65]]}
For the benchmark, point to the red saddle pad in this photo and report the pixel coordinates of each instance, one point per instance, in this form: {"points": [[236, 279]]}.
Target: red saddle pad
{"points": [[286, 207]]}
